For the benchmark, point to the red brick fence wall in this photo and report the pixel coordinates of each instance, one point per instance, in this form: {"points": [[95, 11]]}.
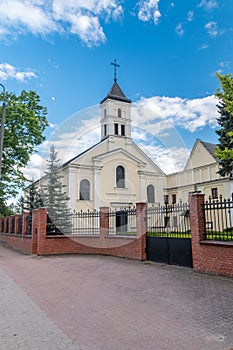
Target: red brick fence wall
{"points": [[133, 247], [208, 256]]}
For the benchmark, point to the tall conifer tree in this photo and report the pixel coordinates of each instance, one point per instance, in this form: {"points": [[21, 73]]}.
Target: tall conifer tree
{"points": [[224, 151], [54, 197]]}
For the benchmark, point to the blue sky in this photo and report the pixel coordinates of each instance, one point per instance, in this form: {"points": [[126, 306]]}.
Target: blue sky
{"points": [[168, 51]]}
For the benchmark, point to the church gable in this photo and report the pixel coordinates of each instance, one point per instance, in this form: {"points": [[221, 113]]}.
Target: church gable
{"points": [[117, 155], [202, 154]]}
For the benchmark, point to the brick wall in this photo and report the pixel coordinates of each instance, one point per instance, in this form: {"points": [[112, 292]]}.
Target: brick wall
{"points": [[208, 256], [40, 244]]}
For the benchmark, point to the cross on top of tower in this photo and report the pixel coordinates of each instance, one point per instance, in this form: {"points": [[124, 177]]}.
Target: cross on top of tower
{"points": [[115, 67]]}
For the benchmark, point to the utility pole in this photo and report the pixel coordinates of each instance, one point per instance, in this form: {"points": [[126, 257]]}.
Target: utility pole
{"points": [[2, 128]]}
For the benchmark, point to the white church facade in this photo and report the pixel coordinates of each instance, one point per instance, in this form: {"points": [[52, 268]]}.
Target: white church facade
{"points": [[115, 172]]}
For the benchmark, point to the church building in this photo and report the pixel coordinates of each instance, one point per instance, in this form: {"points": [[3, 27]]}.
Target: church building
{"points": [[115, 172]]}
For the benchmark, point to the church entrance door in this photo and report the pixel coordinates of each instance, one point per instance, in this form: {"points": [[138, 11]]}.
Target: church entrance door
{"points": [[121, 221]]}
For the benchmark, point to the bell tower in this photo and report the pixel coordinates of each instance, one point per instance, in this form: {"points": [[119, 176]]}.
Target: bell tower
{"points": [[115, 112]]}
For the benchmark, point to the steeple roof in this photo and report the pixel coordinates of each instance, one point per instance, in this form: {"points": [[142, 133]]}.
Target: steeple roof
{"points": [[116, 93]]}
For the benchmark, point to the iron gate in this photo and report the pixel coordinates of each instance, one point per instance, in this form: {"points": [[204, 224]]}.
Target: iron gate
{"points": [[168, 235]]}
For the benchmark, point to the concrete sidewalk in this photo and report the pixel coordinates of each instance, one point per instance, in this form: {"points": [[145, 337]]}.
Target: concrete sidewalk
{"points": [[105, 303]]}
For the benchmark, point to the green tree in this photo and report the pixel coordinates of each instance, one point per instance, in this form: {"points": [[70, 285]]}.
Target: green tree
{"points": [[24, 126], [19, 206], [32, 198], [224, 151], [54, 198]]}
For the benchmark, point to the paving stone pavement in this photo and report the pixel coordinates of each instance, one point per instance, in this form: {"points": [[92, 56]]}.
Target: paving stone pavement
{"points": [[23, 325], [106, 303]]}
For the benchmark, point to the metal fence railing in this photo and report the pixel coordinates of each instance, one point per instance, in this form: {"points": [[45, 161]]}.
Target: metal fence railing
{"points": [[169, 221], [77, 223], [122, 222], [219, 219]]}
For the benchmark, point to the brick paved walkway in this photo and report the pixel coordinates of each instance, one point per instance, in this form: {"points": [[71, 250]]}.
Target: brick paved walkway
{"points": [[23, 325], [105, 303]]}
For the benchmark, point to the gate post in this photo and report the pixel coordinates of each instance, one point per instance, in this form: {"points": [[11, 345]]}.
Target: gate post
{"points": [[104, 221], [141, 226], [197, 225]]}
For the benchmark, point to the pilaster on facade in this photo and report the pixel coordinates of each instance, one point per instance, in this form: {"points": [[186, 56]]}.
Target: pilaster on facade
{"points": [[97, 184], [71, 188], [142, 179]]}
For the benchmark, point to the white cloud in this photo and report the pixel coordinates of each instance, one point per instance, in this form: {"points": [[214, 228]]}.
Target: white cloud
{"points": [[203, 46], [179, 30], [7, 71], [190, 16], [82, 18], [149, 10], [208, 4], [23, 15], [162, 112], [224, 64], [212, 28], [35, 168], [169, 159]]}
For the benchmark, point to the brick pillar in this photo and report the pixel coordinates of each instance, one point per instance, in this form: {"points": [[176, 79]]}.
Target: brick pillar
{"points": [[10, 223], [41, 231], [35, 225], [104, 221], [17, 216], [197, 225], [141, 226]]}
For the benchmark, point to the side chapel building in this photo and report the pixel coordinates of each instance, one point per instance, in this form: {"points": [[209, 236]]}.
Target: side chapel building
{"points": [[116, 173]]}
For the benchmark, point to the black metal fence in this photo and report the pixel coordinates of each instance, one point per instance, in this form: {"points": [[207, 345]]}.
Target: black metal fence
{"points": [[123, 222], [169, 221], [77, 223], [219, 219], [29, 224]]}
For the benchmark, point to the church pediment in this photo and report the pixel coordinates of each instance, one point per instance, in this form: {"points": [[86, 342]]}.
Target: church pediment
{"points": [[119, 152]]}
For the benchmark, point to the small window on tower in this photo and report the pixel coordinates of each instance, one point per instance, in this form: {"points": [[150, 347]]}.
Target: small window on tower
{"points": [[105, 129], [105, 113], [116, 129], [123, 130], [119, 112]]}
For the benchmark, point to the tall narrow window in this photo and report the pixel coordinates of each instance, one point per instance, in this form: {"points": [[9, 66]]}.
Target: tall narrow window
{"points": [[105, 129], [84, 190], [105, 113], [166, 199], [150, 194], [119, 112], [116, 129], [173, 198], [120, 177], [214, 193], [123, 130]]}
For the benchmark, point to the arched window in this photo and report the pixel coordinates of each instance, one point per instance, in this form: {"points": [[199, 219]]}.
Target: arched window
{"points": [[84, 190], [150, 194], [120, 177], [119, 112]]}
